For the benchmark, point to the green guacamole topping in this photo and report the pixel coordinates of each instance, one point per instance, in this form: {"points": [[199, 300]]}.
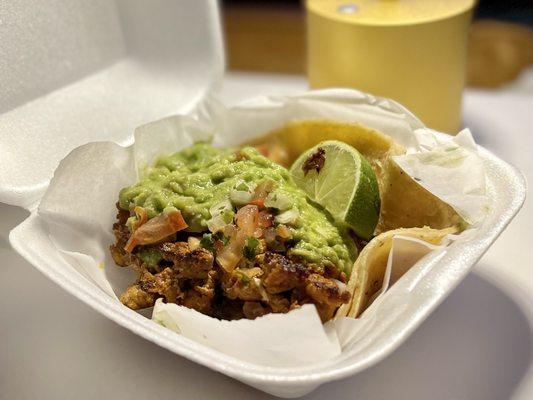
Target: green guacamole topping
{"points": [[150, 256], [200, 177]]}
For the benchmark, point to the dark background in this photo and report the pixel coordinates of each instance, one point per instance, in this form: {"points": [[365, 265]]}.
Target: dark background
{"points": [[514, 11], [509, 10], [269, 36]]}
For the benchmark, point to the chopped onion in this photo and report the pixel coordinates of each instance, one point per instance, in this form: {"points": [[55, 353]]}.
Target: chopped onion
{"points": [[221, 215], [260, 287], [244, 186], [231, 254], [194, 242], [217, 223], [240, 197], [247, 219], [228, 259], [278, 200], [288, 217], [220, 207]]}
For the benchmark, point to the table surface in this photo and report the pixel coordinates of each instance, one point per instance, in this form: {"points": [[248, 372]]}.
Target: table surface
{"points": [[476, 345]]}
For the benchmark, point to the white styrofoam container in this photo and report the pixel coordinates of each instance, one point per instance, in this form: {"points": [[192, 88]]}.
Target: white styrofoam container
{"points": [[95, 71], [73, 72]]}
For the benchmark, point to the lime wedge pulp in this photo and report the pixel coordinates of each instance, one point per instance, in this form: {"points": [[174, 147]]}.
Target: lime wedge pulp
{"points": [[337, 177]]}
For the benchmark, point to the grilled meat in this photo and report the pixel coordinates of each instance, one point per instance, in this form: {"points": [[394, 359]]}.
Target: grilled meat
{"points": [[265, 283]]}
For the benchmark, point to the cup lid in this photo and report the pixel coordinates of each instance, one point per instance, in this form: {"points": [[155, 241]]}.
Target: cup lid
{"points": [[81, 72], [389, 12]]}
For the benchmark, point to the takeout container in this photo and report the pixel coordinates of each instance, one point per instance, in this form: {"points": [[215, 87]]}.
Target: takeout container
{"points": [[132, 80]]}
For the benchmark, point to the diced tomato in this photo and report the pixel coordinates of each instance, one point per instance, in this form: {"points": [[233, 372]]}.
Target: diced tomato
{"points": [[247, 219], [231, 254], [258, 202], [266, 219], [156, 229], [261, 192]]}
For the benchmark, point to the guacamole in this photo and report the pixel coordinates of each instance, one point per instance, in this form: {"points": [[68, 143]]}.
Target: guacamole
{"points": [[199, 178]]}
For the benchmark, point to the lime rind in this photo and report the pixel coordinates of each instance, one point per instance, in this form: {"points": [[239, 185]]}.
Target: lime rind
{"points": [[346, 186], [363, 219]]}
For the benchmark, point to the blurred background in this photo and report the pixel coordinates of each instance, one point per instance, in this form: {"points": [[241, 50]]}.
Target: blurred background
{"points": [[269, 36]]}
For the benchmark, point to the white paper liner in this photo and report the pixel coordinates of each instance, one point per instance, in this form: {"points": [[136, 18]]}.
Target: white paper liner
{"points": [[450, 169], [79, 211], [265, 340]]}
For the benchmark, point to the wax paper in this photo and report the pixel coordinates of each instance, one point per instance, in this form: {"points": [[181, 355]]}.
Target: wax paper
{"points": [[79, 210]]}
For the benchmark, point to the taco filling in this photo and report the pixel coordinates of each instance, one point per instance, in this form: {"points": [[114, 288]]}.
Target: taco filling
{"points": [[228, 233]]}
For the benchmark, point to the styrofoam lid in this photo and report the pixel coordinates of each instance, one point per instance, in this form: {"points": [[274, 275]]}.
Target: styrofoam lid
{"points": [[73, 72]]}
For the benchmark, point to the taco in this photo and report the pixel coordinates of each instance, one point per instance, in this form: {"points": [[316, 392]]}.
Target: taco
{"points": [[233, 233]]}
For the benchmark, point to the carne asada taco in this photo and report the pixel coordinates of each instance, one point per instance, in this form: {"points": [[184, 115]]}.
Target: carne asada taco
{"points": [[233, 233]]}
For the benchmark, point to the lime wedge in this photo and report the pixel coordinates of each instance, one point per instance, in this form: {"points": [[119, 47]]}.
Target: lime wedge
{"points": [[334, 175]]}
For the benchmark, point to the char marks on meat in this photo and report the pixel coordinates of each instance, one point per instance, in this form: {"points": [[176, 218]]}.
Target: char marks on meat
{"points": [[189, 264], [281, 274], [269, 282]]}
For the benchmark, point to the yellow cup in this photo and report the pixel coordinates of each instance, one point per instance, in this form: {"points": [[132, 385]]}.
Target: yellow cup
{"points": [[413, 51]]}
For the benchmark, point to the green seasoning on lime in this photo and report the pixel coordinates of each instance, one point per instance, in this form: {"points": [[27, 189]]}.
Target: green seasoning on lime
{"points": [[334, 175], [201, 180]]}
